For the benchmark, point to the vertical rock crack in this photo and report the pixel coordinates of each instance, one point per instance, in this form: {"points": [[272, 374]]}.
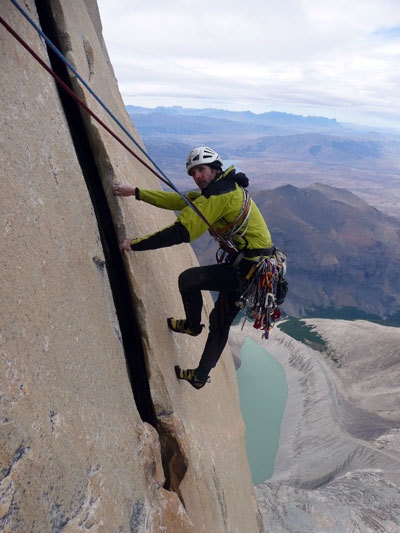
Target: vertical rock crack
{"points": [[131, 337]]}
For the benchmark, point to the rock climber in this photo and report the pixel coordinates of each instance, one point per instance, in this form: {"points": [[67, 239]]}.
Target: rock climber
{"points": [[224, 202]]}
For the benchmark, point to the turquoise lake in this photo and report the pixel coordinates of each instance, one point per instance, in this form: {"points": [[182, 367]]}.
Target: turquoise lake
{"points": [[263, 393]]}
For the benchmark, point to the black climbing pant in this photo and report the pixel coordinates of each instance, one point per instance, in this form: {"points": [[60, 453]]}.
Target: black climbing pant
{"points": [[224, 279]]}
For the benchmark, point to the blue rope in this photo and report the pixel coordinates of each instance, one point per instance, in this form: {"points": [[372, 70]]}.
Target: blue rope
{"points": [[72, 69]]}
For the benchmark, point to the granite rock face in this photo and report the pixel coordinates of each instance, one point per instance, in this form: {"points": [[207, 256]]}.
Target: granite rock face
{"points": [[95, 431]]}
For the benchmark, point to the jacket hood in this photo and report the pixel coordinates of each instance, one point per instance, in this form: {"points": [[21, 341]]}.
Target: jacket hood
{"points": [[231, 175]]}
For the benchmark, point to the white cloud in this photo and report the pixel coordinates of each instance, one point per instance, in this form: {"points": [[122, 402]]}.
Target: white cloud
{"points": [[340, 59]]}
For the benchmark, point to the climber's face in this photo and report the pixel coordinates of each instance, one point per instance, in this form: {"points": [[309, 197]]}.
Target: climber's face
{"points": [[203, 175]]}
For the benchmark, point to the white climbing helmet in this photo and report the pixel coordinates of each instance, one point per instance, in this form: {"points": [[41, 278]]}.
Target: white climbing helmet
{"points": [[201, 156]]}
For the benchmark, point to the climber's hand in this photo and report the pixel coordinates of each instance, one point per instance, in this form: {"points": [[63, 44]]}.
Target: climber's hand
{"points": [[120, 189], [125, 245]]}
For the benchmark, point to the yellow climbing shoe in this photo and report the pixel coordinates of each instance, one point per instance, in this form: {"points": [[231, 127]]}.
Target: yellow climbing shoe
{"points": [[190, 376], [180, 326]]}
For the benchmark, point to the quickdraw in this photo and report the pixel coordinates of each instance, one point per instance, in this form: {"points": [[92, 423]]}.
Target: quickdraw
{"points": [[258, 297]]}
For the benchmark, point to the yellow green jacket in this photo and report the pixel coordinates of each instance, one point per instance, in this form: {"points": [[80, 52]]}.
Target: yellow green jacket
{"points": [[220, 204]]}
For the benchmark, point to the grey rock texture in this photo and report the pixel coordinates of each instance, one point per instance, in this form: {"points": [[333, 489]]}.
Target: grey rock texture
{"points": [[338, 464], [82, 445]]}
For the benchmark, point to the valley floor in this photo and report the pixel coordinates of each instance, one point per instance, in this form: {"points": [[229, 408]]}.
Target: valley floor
{"points": [[338, 463]]}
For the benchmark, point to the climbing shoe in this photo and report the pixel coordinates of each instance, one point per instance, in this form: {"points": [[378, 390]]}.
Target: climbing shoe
{"points": [[180, 326], [190, 376]]}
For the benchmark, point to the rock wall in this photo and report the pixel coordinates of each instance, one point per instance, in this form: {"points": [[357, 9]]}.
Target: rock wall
{"points": [[95, 430]]}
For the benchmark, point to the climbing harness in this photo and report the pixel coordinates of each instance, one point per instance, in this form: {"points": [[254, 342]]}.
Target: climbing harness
{"points": [[158, 172], [263, 290], [237, 229]]}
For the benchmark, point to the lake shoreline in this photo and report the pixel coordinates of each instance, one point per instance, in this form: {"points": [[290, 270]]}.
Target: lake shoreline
{"points": [[340, 429]]}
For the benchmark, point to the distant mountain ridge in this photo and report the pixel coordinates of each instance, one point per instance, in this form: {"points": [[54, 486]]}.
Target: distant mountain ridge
{"points": [[270, 118], [278, 148], [313, 146], [343, 253]]}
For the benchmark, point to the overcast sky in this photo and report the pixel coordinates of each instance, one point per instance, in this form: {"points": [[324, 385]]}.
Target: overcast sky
{"points": [[334, 58]]}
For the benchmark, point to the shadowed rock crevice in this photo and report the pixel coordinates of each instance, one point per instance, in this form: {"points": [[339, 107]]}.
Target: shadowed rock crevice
{"points": [[119, 284], [174, 459]]}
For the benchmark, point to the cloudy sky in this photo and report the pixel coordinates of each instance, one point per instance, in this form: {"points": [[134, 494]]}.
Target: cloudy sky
{"points": [[334, 58]]}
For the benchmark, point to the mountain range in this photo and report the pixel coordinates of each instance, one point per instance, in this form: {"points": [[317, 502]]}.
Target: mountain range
{"points": [[344, 255], [333, 210], [276, 149]]}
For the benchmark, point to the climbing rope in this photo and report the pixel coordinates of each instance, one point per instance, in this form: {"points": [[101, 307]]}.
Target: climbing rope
{"points": [[87, 86], [158, 172]]}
